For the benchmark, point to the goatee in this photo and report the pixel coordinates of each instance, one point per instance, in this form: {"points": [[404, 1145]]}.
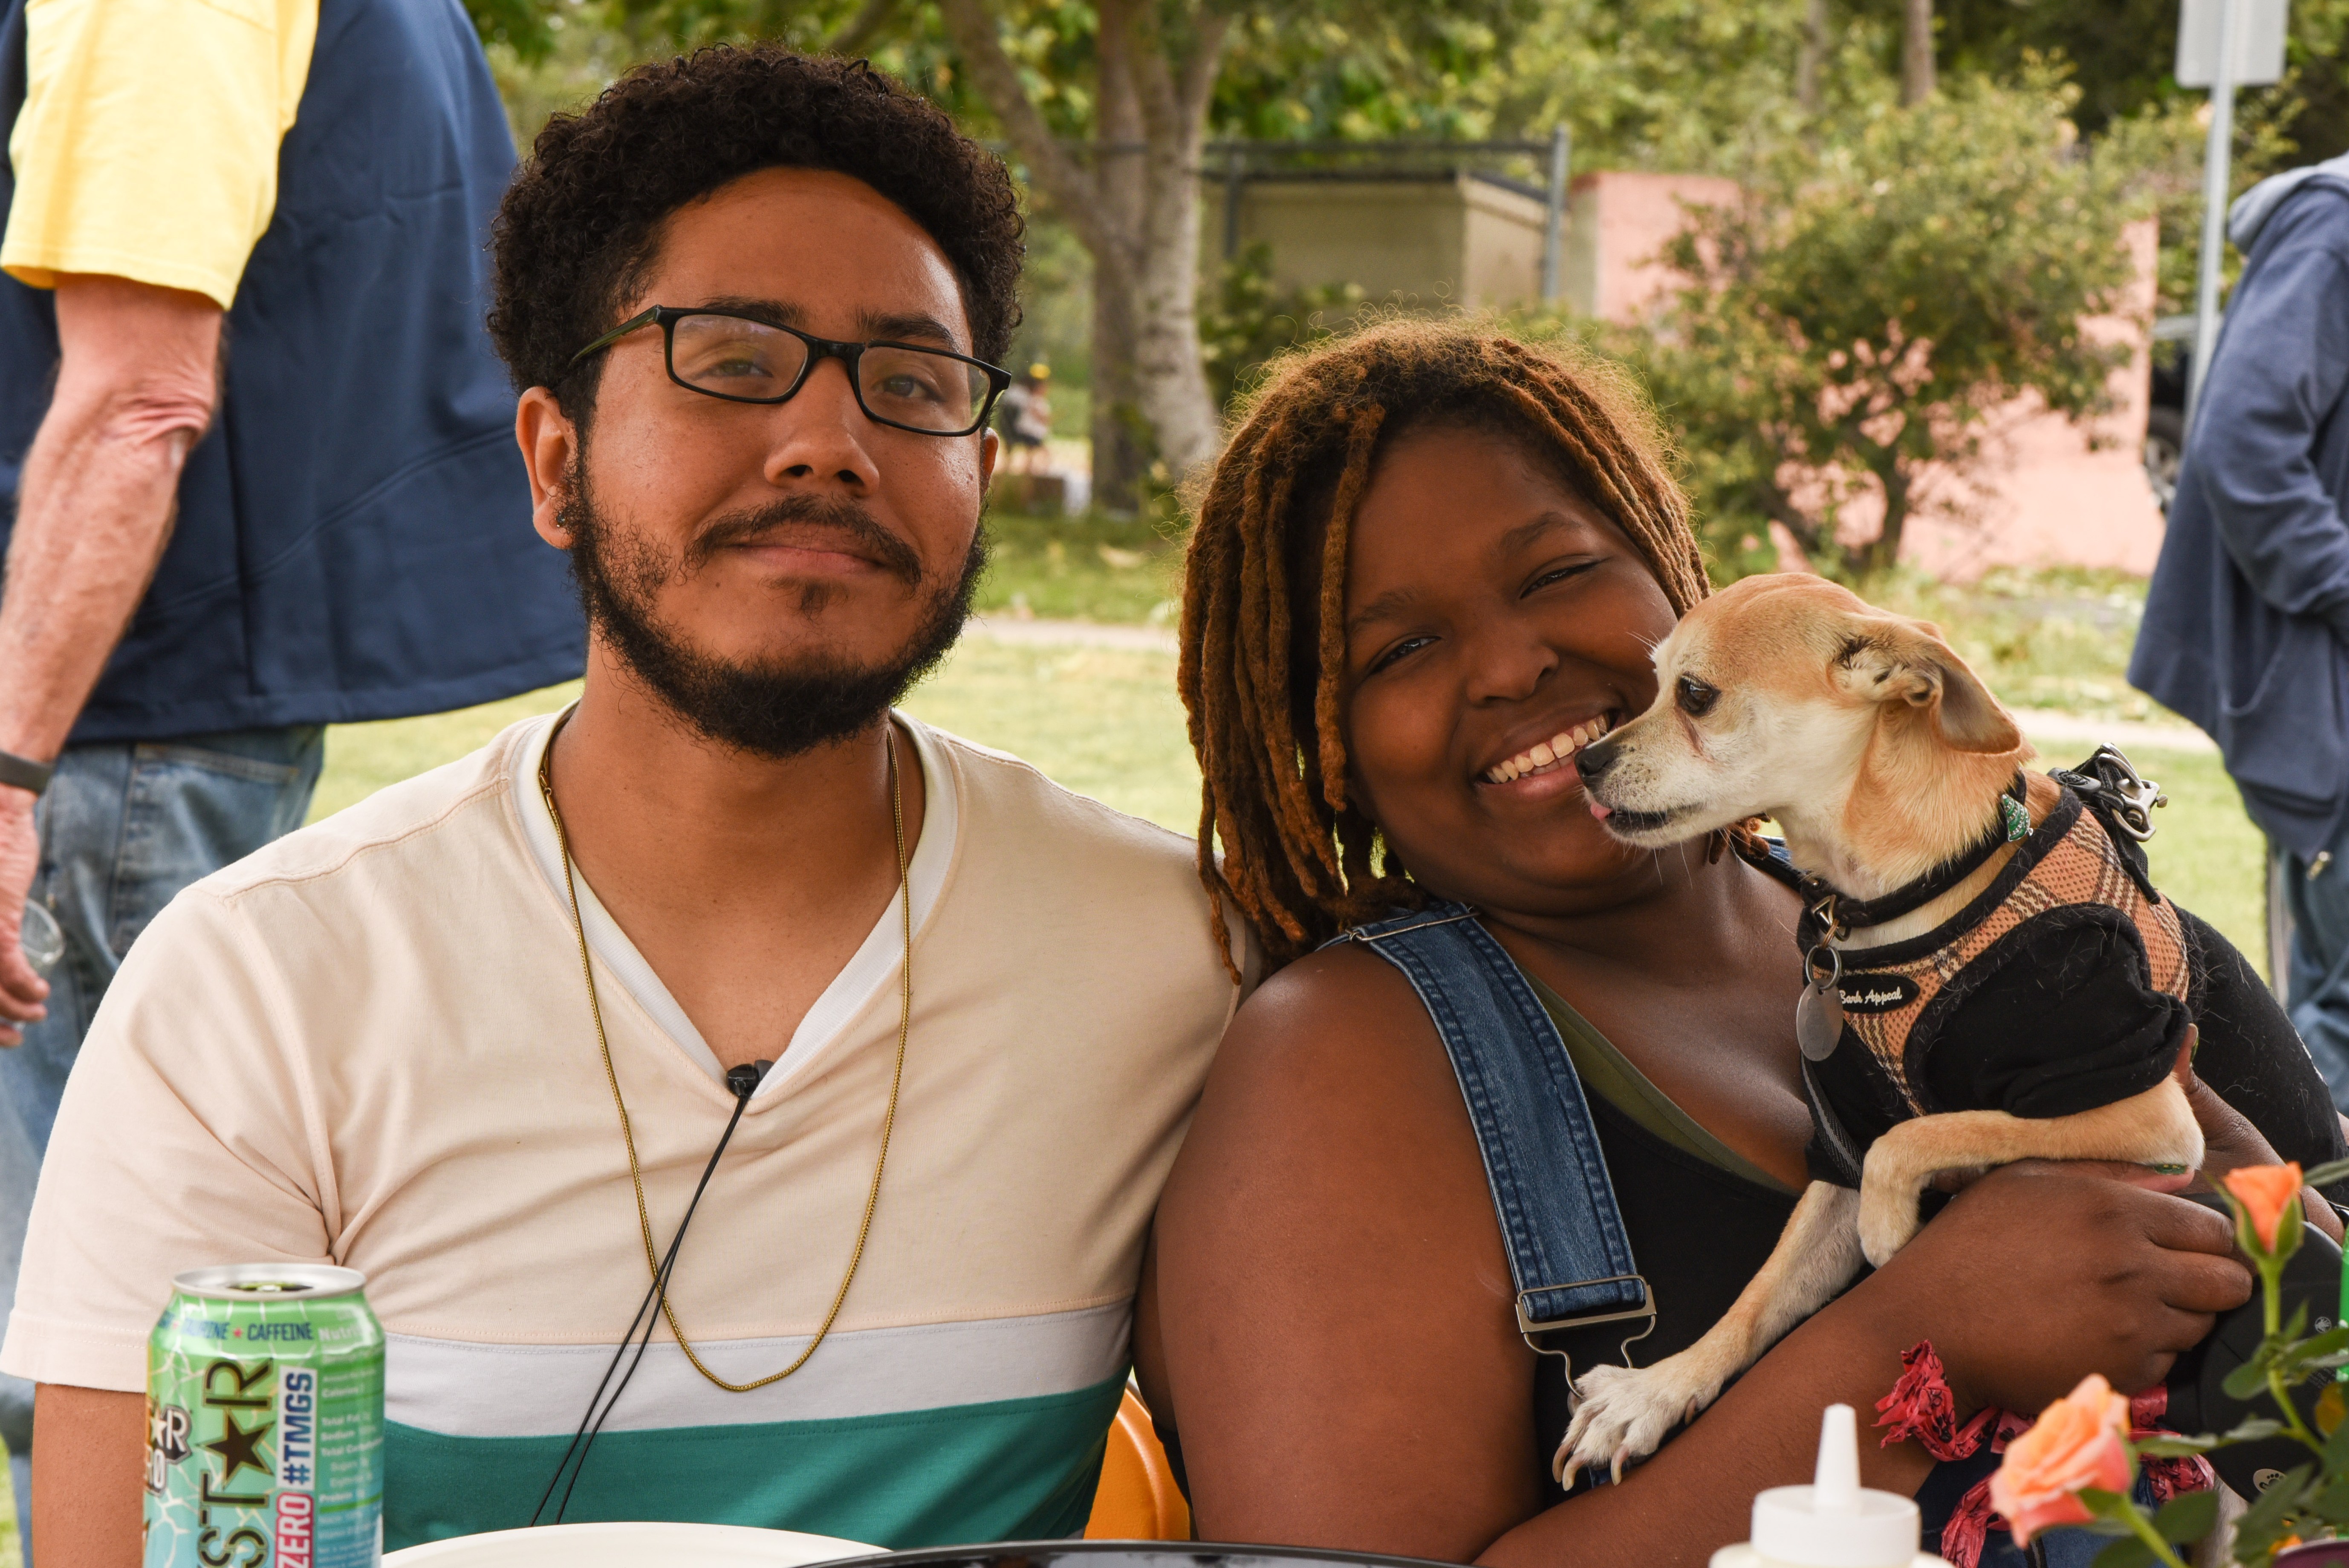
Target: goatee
{"points": [[779, 708]]}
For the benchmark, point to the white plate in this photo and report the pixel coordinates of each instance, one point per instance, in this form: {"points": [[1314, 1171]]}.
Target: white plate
{"points": [[646, 1545]]}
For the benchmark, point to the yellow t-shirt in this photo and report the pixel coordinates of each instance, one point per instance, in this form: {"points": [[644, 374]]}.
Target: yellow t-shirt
{"points": [[147, 147]]}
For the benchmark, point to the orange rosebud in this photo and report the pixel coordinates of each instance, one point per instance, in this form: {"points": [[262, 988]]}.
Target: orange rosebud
{"points": [[2078, 1442], [2266, 1193]]}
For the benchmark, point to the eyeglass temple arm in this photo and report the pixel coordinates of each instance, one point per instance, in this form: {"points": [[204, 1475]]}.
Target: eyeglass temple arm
{"points": [[640, 319]]}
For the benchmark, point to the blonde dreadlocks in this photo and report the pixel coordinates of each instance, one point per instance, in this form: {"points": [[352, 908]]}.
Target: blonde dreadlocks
{"points": [[1264, 586]]}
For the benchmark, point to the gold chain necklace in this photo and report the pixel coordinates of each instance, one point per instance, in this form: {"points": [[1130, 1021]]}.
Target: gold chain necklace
{"points": [[628, 1133]]}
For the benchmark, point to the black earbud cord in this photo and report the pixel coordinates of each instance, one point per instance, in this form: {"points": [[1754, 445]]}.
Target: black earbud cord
{"points": [[744, 1081]]}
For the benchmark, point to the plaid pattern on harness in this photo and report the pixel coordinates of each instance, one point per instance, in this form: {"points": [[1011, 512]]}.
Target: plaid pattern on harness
{"points": [[2082, 867]]}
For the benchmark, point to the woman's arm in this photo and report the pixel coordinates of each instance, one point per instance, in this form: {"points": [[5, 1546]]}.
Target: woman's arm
{"points": [[1343, 1359]]}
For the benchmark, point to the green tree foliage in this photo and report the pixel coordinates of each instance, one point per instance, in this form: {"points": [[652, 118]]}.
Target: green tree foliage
{"points": [[1249, 319], [1689, 85], [1846, 331], [2121, 53]]}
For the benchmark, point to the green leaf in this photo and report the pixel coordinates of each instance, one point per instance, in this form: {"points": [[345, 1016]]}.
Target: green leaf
{"points": [[2331, 1342], [2127, 1552], [2331, 1504], [2172, 1447], [2247, 1380], [2259, 1428], [2326, 1174], [2263, 1520], [2114, 1513], [2189, 1517]]}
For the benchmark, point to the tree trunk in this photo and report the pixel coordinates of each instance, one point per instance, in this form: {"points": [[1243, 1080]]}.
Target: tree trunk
{"points": [[1810, 55], [1172, 79], [1138, 215], [1881, 552], [1120, 459], [1917, 53]]}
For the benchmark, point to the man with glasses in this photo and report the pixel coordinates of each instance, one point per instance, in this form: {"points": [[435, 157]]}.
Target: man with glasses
{"points": [[942, 1023]]}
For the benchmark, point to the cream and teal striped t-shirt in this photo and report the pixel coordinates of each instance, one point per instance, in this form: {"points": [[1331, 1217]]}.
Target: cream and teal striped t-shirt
{"points": [[370, 1044]]}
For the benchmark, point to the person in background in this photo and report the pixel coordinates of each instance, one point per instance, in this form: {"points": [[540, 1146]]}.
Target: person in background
{"points": [[2246, 627], [254, 463], [1027, 420]]}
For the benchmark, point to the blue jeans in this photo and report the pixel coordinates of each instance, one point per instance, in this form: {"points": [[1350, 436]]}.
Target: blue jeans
{"points": [[2317, 993], [124, 827]]}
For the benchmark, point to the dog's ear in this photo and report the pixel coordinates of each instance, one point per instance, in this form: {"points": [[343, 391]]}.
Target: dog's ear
{"points": [[1889, 658]]}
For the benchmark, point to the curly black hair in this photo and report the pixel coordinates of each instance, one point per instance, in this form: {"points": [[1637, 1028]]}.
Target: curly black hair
{"points": [[579, 225]]}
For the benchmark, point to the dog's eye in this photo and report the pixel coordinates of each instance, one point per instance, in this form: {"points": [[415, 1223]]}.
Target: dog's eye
{"points": [[1695, 698]]}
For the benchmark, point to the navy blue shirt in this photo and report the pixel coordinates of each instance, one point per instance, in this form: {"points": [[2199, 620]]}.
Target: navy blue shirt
{"points": [[2246, 625], [354, 537]]}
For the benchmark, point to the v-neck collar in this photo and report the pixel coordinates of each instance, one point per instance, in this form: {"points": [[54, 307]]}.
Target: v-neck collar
{"points": [[873, 964]]}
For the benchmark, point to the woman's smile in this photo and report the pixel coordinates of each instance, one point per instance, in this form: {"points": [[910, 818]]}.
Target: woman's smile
{"points": [[1540, 770]]}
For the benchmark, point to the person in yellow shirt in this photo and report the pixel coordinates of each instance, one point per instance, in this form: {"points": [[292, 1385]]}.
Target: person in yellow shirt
{"points": [[253, 462]]}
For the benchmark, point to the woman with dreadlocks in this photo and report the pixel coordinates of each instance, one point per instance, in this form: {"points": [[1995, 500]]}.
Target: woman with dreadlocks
{"points": [[1429, 566]]}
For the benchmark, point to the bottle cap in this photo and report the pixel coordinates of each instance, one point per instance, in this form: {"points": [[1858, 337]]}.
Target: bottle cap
{"points": [[1835, 1521]]}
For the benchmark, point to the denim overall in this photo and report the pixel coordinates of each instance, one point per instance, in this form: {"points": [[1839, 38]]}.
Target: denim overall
{"points": [[1568, 1254]]}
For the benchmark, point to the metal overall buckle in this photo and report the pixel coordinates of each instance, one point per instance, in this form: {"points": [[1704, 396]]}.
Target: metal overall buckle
{"points": [[1536, 1333]]}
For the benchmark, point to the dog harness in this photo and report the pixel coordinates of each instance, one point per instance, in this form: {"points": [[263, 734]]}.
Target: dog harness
{"points": [[2069, 885]]}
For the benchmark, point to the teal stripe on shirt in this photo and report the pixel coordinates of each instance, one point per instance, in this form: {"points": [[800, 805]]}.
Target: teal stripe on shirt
{"points": [[1008, 1470]]}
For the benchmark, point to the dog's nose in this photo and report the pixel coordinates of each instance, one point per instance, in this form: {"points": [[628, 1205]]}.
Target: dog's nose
{"points": [[1596, 758]]}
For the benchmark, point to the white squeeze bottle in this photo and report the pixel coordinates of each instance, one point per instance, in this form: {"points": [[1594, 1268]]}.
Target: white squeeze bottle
{"points": [[1835, 1521]]}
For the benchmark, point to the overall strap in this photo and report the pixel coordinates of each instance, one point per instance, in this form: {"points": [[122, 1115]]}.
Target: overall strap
{"points": [[1559, 1221]]}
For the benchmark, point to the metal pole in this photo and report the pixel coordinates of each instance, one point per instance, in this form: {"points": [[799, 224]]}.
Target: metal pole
{"points": [[1554, 224], [2215, 156]]}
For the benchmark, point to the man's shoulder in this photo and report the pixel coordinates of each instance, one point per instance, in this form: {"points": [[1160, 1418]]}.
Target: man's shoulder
{"points": [[440, 814], [1051, 853], [1011, 798]]}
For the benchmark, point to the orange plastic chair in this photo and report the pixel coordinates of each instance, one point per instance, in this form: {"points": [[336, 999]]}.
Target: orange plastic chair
{"points": [[1138, 1499]]}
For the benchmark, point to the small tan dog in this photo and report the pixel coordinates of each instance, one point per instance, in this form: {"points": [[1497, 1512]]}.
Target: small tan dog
{"points": [[1938, 873]]}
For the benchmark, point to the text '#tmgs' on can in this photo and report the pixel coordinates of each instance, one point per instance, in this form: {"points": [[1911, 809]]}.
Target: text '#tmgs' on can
{"points": [[264, 1421]]}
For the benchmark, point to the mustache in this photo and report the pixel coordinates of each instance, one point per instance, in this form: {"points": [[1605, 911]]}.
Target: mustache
{"points": [[825, 521]]}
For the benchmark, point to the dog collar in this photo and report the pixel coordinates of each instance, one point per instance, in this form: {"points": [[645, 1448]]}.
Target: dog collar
{"points": [[1828, 916]]}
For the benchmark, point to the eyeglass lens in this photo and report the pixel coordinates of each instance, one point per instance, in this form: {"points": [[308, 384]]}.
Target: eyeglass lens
{"points": [[736, 358]]}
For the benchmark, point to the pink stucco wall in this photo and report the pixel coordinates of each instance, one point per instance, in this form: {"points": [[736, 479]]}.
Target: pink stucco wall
{"points": [[2042, 496]]}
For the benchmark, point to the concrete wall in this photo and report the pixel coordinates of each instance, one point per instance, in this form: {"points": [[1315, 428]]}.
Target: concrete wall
{"points": [[1450, 240], [1617, 223]]}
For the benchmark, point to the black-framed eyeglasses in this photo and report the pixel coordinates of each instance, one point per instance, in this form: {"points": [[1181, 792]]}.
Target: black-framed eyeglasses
{"points": [[726, 354]]}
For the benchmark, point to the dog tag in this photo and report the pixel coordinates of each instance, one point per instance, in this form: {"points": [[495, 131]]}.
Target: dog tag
{"points": [[1819, 1021], [1819, 1011]]}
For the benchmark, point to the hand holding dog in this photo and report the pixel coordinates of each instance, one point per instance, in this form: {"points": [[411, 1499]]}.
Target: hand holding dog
{"points": [[2040, 1274]]}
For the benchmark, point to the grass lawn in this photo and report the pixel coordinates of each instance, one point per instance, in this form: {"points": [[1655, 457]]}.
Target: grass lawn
{"points": [[1105, 722], [1082, 569]]}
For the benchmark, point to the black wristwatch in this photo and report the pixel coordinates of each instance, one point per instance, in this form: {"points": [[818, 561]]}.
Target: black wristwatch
{"points": [[23, 773]]}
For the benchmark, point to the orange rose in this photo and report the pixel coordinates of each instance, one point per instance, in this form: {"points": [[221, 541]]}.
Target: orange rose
{"points": [[2076, 1443], [2266, 1193]]}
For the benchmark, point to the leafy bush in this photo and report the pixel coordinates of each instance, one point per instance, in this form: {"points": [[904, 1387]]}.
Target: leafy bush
{"points": [[1843, 331], [1248, 318]]}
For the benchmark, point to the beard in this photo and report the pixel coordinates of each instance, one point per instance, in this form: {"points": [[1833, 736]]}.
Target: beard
{"points": [[780, 708]]}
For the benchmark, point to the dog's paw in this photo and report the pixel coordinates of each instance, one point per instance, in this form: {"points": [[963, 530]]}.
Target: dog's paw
{"points": [[1621, 1414], [1888, 1220]]}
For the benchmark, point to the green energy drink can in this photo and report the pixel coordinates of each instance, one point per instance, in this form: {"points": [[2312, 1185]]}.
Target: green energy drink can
{"points": [[264, 1421]]}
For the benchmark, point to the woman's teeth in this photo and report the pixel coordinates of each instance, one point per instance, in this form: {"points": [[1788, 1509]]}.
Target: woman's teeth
{"points": [[1545, 754]]}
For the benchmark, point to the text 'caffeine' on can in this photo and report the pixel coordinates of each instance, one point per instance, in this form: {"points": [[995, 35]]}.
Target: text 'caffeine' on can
{"points": [[264, 1421]]}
